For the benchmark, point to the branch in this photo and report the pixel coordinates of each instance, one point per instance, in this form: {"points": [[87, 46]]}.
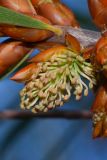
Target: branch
{"points": [[56, 114]]}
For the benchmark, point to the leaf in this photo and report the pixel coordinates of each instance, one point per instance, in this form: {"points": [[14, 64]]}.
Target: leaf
{"points": [[10, 17], [12, 69]]}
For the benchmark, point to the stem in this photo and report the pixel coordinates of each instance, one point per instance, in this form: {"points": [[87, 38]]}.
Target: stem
{"points": [[57, 115]]}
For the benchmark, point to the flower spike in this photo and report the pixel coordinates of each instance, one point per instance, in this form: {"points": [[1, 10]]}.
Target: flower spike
{"points": [[60, 75]]}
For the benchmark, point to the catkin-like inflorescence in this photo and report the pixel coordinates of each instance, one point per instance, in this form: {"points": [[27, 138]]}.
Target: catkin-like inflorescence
{"points": [[59, 78]]}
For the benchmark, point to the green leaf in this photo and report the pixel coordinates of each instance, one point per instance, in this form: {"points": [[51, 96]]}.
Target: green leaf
{"points": [[12, 69], [10, 17]]}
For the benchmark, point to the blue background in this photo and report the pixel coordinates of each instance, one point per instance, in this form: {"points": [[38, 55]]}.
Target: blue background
{"points": [[49, 139]]}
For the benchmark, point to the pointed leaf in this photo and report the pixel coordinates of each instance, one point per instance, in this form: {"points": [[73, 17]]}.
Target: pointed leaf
{"points": [[10, 17]]}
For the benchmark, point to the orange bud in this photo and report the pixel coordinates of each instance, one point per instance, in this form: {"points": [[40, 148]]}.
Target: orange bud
{"points": [[99, 110], [101, 51], [72, 43], [11, 53], [98, 10], [56, 12], [23, 6], [25, 73], [26, 34], [47, 54]]}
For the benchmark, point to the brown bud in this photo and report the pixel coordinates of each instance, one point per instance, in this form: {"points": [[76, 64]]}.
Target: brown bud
{"points": [[47, 54], [23, 6], [56, 12], [72, 43], [99, 110], [26, 34], [25, 73], [101, 51], [11, 53], [99, 55], [98, 10]]}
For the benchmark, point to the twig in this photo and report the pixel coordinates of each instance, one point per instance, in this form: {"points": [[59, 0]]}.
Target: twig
{"points": [[55, 114]]}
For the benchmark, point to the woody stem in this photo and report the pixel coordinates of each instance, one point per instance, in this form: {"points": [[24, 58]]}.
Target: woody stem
{"points": [[57, 114]]}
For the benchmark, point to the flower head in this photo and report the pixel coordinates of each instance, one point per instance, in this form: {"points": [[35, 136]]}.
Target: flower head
{"points": [[62, 75]]}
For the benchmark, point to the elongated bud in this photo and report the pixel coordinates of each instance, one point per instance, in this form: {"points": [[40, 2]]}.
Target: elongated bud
{"points": [[99, 55], [99, 110], [98, 10], [25, 74], [11, 53], [101, 51], [56, 12], [23, 6], [47, 54], [26, 34]]}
